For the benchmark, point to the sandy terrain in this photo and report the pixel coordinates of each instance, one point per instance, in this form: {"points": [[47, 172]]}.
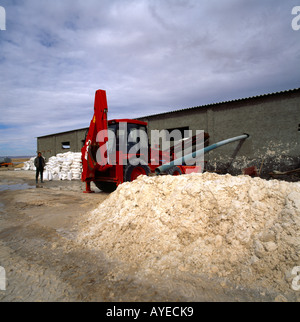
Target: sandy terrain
{"points": [[44, 261]]}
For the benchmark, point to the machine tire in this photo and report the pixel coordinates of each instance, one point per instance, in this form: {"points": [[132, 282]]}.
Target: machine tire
{"points": [[174, 171], [131, 172], [106, 186]]}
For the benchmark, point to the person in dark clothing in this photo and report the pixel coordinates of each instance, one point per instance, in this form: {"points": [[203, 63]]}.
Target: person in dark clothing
{"points": [[39, 163]]}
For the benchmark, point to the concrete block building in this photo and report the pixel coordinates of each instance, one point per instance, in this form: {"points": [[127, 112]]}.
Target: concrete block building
{"points": [[53, 144], [271, 120]]}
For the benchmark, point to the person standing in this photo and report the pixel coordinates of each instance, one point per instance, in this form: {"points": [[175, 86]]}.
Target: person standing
{"points": [[39, 163]]}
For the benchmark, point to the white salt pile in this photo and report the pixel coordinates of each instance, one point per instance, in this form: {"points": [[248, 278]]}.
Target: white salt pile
{"points": [[63, 166], [29, 165], [242, 229]]}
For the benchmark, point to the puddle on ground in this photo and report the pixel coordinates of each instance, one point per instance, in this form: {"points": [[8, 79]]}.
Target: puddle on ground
{"points": [[19, 186]]}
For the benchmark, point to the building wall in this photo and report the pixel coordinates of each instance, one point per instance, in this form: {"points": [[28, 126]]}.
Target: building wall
{"points": [[273, 123], [53, 144]]}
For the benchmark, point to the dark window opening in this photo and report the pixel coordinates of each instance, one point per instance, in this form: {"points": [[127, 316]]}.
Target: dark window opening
{"points": [[299, 128], [183, 131], [65, 145]]}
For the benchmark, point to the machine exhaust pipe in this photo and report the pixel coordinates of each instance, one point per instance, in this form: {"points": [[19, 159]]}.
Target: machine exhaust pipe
{"points": [[196, 154]]}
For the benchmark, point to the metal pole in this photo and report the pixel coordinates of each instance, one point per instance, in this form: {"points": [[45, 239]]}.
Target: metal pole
{"points": [[196, 154]]}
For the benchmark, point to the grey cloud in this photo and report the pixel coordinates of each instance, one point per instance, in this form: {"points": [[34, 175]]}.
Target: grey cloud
{"points": [[150, 57]]}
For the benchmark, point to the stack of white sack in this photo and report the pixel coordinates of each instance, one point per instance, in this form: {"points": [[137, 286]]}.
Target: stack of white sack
{"points": [[29, 165], [64, 166]]}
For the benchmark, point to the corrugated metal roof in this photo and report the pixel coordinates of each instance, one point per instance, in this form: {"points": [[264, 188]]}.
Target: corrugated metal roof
{"points": [[61, 133], [193, 108], [219, 103]]}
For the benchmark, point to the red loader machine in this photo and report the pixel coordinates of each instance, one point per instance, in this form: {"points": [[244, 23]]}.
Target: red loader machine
{"points": [[109, 157]]}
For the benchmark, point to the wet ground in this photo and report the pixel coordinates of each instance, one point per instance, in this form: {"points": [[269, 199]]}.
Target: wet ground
{"points": [[18, 186], [43, 261]]}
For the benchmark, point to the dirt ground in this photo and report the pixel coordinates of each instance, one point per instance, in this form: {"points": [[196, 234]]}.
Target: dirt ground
{"points": [[44, 262]]}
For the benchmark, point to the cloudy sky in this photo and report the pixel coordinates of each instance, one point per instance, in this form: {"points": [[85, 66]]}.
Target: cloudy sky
{"points": [[151, 56]]}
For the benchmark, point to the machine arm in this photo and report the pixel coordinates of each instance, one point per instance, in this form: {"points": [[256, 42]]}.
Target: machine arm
{"points": [[97, 136]]}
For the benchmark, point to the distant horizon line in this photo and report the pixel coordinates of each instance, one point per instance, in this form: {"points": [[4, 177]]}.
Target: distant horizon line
{"points": [[17, 156]]}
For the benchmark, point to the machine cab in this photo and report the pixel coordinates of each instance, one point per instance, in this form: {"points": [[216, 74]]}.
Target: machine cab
{"points": [[128, 137]]}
